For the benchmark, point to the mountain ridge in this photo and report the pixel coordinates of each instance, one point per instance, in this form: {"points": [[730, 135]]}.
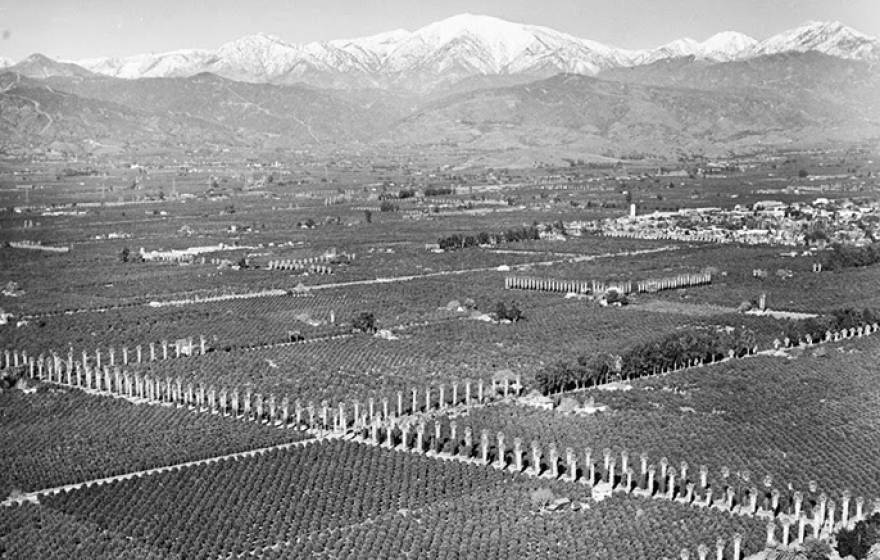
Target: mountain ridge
{"points": [[461, 47], [574, 114], [664, 109]]}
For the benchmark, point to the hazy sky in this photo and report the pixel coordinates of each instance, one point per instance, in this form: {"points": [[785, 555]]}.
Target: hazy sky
{"points": [[72, 29]]}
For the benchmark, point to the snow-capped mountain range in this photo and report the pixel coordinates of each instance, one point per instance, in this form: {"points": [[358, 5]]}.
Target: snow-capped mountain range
{"points": [[462, 47]]}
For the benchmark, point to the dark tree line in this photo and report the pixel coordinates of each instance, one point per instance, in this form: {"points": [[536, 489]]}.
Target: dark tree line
{"points": [[399, 195], [646, 358], [816, 327], [439, 191], [683, 347], [458, 241], [840, 256]]}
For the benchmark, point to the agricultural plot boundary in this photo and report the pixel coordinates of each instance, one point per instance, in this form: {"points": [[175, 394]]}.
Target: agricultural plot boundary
{"points": [[788, 520], [35, 495], [777, 347], [380, 428], [305, 291], [650, 285], [372, 418], [788, 517], [272, 410]]}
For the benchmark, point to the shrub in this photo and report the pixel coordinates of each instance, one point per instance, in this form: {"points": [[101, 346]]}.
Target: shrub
{"points": [[816, 550], [616, 297], [508, 311], [541, 497], [860, 539], [364, 322]]}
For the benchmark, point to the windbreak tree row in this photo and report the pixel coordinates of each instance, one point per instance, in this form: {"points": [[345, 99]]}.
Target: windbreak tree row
{"points": [[513, 235], [666, 352]]}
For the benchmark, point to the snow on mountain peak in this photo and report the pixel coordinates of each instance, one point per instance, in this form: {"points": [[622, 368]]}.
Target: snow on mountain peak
{"points": [[829, 37], [727, 45], [501, 40], [463, 46], [674, 49], [376, 46], [377, 40], [256, 55], [721, 47], [828, 28], [489, 45], [258, 42], [682, 47], [485, 26]]}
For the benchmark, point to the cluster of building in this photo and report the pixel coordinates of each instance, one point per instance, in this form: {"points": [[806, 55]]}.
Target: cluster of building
{"points": [[771, 222]]}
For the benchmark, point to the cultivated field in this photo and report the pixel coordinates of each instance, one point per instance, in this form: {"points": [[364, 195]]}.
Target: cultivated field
{"points": [[318, 302]]}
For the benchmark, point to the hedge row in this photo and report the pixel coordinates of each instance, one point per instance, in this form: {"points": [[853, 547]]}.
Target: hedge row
{"points": [[816, 327], [685, 347], [666, 352], [457, 241], [841, 256]]}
